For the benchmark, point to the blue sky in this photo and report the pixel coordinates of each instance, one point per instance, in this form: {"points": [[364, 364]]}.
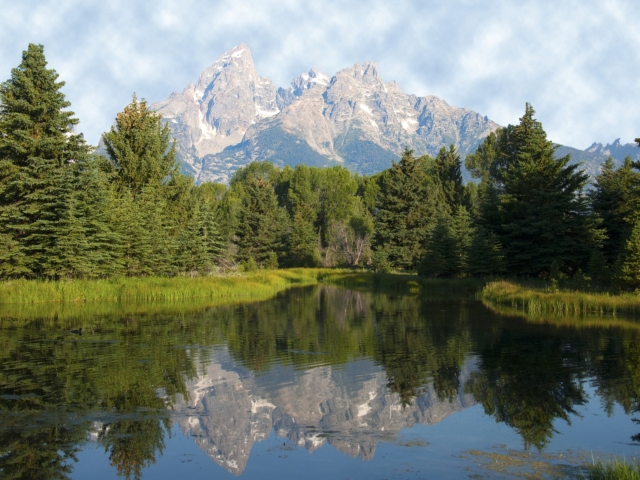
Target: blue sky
{"points": [[577, 62]]}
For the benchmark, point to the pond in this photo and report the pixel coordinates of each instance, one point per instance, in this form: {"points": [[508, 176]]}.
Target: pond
{"points": [[318, 382]]}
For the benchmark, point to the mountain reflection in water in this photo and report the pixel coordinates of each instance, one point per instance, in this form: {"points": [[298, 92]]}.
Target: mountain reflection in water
{"points": [[348, 407], [319, 366]]}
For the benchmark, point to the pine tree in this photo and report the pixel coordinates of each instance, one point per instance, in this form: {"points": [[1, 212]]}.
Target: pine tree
{"points": [[448, 247], [439, 255], [485, 255], [139, 146], [303, 239], [84, 244], [192, 249], [629, 262], [534, 203], [407, 204], [448, 170], [615, 200], [154, 196], [261, 225], [36, 145]]}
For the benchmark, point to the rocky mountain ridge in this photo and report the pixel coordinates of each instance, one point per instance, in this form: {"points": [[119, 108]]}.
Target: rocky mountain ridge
{"points": [[616, 150], [232, 116]]}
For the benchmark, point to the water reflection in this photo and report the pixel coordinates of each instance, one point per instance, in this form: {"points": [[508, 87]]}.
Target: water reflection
{"points": [[349, 407], [319, 366]]}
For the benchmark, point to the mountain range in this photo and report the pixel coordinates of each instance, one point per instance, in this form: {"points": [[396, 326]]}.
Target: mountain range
{"points": [[232, 116]]}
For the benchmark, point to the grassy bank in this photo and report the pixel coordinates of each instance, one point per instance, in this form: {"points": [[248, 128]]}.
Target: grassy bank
{"points": [[537, 299], [260, 284], [129, 297], [615, 470]]}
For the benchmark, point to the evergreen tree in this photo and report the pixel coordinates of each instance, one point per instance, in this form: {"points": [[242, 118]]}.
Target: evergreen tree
{"points": [[448, 170], [485, 254], [199, 242], [261, 225], [448, 247], [615, 200], [36, 145], [303, 239], [84, 244], [534, 203], [140, 148], [192, 251], [629, 262], [439, 253], [406, 208]]}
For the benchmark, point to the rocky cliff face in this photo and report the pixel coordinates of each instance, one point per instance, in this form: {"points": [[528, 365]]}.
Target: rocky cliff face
{"points": [[216, 112], [616, 150], [350, 409], [232, 116]]}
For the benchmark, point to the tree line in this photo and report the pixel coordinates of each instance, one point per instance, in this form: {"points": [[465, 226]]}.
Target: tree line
{"points": [[66, 212]]}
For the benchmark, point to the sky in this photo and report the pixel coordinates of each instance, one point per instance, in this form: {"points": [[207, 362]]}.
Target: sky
{"points": [[576, 61]]}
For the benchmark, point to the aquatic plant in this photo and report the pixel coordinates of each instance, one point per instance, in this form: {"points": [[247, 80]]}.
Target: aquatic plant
{"points": [[615, 470]]}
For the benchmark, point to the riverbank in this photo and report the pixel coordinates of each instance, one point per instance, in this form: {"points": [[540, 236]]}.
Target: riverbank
{"points": [[532, 298], [256, 285], [539, 299]]}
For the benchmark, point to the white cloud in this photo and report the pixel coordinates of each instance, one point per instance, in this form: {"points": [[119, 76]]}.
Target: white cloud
{"points": [[577, 62]]}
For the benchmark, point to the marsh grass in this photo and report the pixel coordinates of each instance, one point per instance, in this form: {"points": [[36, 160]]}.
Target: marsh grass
{"points": [[538, 299], [79, 300], [614, 470], [154, 289]]}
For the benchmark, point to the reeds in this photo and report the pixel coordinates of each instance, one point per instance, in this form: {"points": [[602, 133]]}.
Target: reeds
{"points": [[614, 470], [539, 300], [154, 289]]}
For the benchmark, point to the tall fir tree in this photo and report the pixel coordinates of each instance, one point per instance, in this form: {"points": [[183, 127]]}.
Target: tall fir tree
{"points": [[262, 225], [615, 200], [37, 144], [151, 194], [448, 247], [406, 212], [535, 203], [485, 255], [303, 239], [140, 147], [628, 269], [448, 170]]}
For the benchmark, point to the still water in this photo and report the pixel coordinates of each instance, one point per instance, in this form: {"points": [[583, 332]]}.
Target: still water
{"points": [[318, 382]]}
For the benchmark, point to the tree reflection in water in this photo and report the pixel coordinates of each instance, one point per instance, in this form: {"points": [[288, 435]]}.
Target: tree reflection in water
{"points": [[119, 381]]}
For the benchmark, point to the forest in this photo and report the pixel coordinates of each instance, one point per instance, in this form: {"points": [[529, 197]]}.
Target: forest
{"points": [[68, 211]]}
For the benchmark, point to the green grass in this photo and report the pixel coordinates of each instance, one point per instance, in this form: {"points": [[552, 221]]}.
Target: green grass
{"points": [[155, 289], [26, 300], [615, 470], [538, 299]]}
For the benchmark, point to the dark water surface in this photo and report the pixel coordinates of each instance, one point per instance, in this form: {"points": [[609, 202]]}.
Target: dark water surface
{"points": [[318, 382]]}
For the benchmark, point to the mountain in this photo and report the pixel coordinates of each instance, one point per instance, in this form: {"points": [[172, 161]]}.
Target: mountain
{"points": [[232, 116], [591, 161], [616, 150]]}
